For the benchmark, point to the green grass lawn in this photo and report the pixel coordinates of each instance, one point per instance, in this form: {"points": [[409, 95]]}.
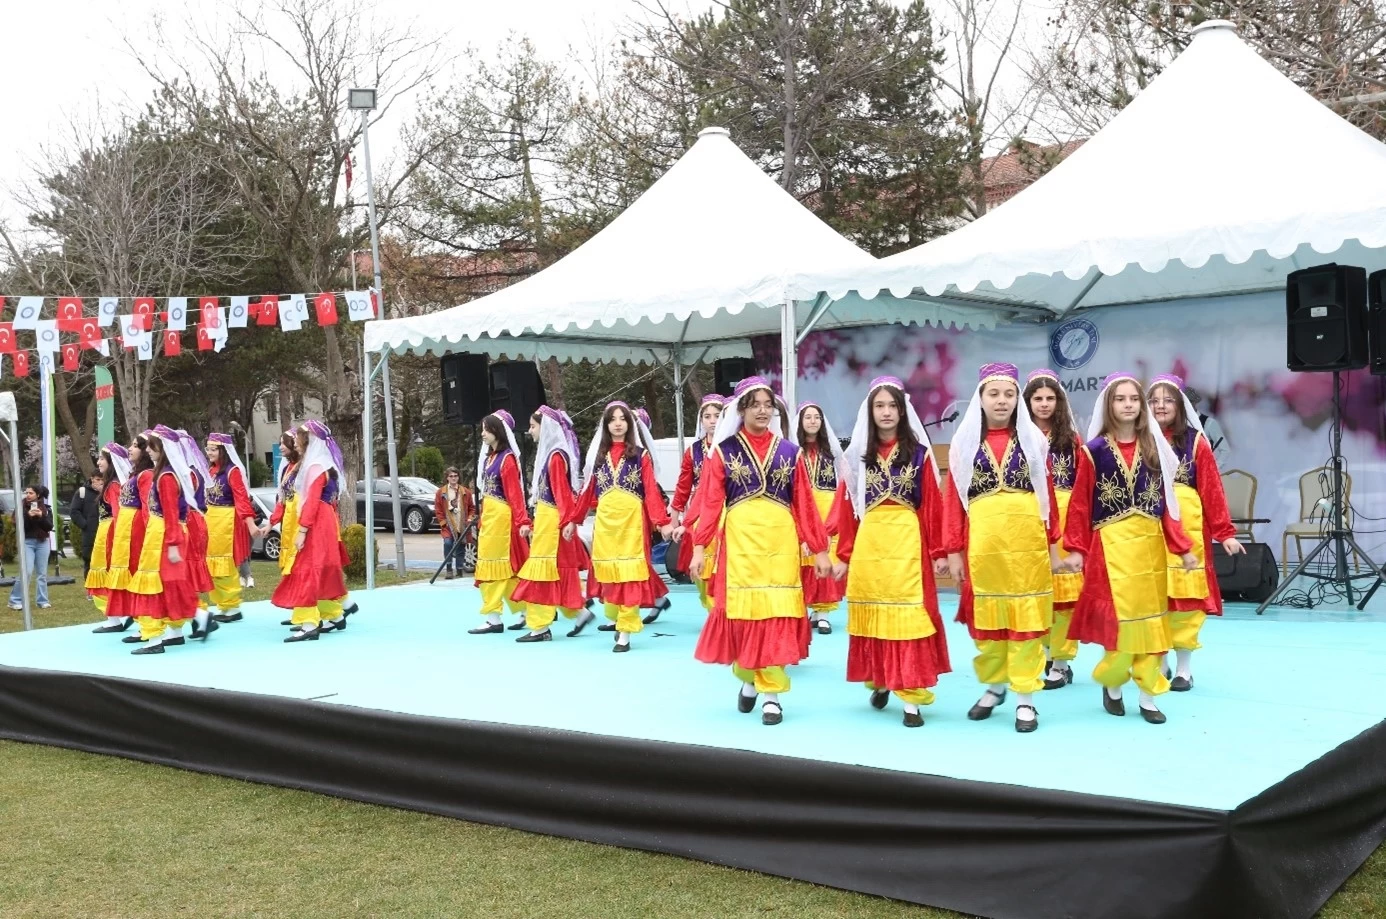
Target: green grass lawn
{"points": [[95, 836]]}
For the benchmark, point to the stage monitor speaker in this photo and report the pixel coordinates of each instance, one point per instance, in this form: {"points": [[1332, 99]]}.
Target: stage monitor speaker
{"points": [[731, 370], [517, 388], [1326, 318], [466, 388], [1376, 321], [1251, 576]]}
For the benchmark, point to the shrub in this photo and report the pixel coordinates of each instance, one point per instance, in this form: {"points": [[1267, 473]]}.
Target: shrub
{"points": [[8, 546], [354, 538], [260, 474], [75, 537], [427, 462]]}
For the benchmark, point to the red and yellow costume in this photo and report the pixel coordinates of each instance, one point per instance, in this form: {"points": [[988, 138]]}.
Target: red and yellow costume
{"points": [[690, 476], [501, 550], [159, 591], [196, 527], [228, 539], [314, 585], [822, 595], [551, 578], [285, 514], [1063, 470], [108, 509], [1194, 595]]}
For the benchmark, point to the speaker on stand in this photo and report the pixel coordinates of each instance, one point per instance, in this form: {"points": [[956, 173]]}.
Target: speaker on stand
{"points": [[517, 388], [466, 388], [729, 371]]}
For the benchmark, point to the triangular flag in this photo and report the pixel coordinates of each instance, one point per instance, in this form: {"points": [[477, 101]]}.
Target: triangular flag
{"points": [[205, 341], [358, 305], [326, 306], [46, 334], [71, 357], [69, 314], [21, 363], [90, 333], [173, 343], [268, 311], [240, 312], [26, 314], [106, 308], [144, 309], [7, 338], [177, 313]]}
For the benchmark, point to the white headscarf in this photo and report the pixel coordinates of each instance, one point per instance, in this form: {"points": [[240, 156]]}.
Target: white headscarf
{"points": [[318, 458], [861, 433], [553, 438], [967, 439], [177, 461], [730, 422], [228, 443], [839, 457], [120, 461], [1177, 383], [508, 423], [1169, 463], [642, 435]]}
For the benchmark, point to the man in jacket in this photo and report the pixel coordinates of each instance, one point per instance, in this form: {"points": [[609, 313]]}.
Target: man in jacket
{"points": [[84, 509], [453, 508]]}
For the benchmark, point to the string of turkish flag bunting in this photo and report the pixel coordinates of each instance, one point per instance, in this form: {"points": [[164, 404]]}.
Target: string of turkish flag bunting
{"points": [[136, 329]]}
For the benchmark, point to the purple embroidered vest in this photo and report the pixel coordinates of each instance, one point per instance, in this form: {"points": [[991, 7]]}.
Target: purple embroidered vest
{"points": [[901, 480], [1187, 473], [286, 484], [822, 471], [219, 489], [491, 486], [699, 452], [1014, 474], [1119, 492], [747, 478], [1063, 467], [627, 476], [331, 490], [156, 506], [545, 495], [199, 490], [130, 492]]}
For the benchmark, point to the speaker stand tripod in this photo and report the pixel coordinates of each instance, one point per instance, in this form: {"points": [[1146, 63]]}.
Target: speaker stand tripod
{"points": [[1339, 539]]}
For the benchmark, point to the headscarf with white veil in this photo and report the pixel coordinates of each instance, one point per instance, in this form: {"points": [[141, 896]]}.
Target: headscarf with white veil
{"points": [[962, 452], [197, 462], [228, 443], [730, 422], [554, 438], [1057, 385], [322, 454], [839, 457], [1177, 383], [119, 458], [177, 460], [1169, 463], [283, 462], [508, 423], [642, 436], [861, 433]]}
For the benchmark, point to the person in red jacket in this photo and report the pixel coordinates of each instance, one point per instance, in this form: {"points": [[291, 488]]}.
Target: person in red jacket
{"points": [[1193, 595], [230, 524], [315, 587], [453, 509]]}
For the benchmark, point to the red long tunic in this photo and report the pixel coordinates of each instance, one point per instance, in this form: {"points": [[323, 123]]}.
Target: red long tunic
{"points": [[178, 601], [1217, 526], [240, 539], [1095, 617], [956, 539], [111, 498], [572, 559], [822, 590], [631, 593], [317, 572], [519, 514], [683, 491], [198, 576]]}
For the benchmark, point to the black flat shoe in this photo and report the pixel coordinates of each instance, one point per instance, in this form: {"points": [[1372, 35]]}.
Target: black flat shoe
{"points": [[302, 636], [517, 626], [744, 703], [1152, 715], [880, 698], [112, 628], [288, 622], [1058, 679], [175, 642], [662, 604], [152, 649], [914, 720], [545, 635], [1026, 726], [583, 620], [351, 610], [204, 634], [1112, 706], [607, 627], [621, 649], [133, 639], [824, 627], [333, 625], [488, 629], [771, 713], [228, 617], [980, 712], [1179, 684]]}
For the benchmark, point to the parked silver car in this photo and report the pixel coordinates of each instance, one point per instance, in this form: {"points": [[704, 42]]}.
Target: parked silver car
{"points": [[267, 547]]}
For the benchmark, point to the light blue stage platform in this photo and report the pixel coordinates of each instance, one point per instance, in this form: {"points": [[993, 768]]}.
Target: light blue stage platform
{"points": [[1272, 693]]}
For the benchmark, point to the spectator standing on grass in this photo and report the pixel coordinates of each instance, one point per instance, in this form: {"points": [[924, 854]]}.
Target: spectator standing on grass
{"points": [[84, 509], [452, 506], [38, 523]]}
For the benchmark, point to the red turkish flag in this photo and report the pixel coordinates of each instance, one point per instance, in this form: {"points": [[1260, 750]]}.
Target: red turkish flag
{"points": [[375, 305], [205, 341], [144, 308], [71, 357], [268, 314], [209, 315], [69, 314], [6, 337], [89, 336], [173, 343], [21, 363], [326, 305]]}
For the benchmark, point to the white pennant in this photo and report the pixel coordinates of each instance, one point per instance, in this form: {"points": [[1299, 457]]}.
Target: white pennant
{"points": [[219, 332], [240, 312], [288, 316], [178, 314], [46, 335], [145, 347], [130, 330], [104, 347], [45, 363], [26, 314], [300, 303], [358, 305], [106, 310]]}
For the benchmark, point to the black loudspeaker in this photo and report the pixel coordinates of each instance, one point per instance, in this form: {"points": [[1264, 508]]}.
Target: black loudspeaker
{"points": [[1376, 321], [1326, 318], [466, 388], [731, 370], [517, 388], [1252, 576]]}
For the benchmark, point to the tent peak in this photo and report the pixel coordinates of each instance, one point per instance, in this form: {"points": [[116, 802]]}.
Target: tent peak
{"points": [[714, 132], [1214, 25]]}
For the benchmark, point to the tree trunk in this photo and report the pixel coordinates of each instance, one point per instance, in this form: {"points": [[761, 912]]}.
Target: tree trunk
{"points": [[652, 405], [695, 387], [553, 383], [286, 404], [81, 436]]}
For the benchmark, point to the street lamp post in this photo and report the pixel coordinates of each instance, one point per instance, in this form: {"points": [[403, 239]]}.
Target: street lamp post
{"points": [[414, 446]]}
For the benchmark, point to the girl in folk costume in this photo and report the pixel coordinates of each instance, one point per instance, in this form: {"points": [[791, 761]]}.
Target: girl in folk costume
{"points": [[827, 473], [1049, 408], [1001, 525], [1193, 595], [690, 474], [621, 484], [127, 534], [500, 549], [550, 579], [230, 523], [285, 511], [195, 525], [314, 587], [755, 489], [114, 466], [642, 428], [888, 525], [1123, 521], [160, 594]]}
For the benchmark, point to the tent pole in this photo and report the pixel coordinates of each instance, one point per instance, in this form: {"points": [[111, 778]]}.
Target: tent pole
{"points": [[678, 397], [819, 309], [394, 465], [368, 484], [789, 363]]}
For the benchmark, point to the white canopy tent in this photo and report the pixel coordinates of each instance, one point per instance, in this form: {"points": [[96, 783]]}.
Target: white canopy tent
{"points": [[691, 271], [1221, 177]]}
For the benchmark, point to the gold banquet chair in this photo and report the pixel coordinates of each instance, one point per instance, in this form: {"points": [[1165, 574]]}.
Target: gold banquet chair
{"points": [[1240, 488], [1315, 515]]}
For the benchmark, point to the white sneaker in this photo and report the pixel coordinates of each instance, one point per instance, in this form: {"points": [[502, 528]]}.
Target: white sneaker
{"points": [[250, 582]]}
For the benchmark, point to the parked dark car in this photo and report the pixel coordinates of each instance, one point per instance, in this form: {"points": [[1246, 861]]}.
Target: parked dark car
{"points": [[415, 504]]}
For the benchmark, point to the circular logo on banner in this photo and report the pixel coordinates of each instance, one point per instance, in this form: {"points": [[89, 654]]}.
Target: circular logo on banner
{"points": [[1073, 343]]}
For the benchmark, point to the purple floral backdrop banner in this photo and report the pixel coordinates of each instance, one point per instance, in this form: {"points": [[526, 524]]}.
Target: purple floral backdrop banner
{"points": [[1263, 419]]}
